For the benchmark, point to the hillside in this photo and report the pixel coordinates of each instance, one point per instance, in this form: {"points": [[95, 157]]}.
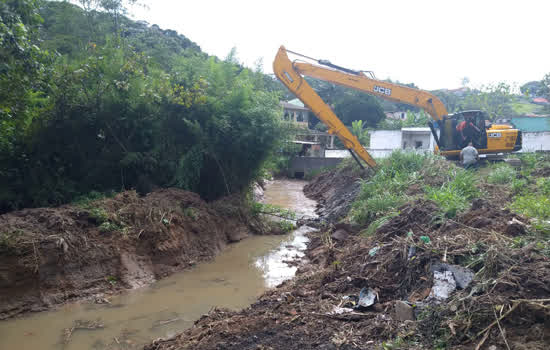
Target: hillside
{"points": [[92, 101]]}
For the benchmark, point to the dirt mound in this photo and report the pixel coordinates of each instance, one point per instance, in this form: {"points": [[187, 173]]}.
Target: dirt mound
{"points": [[500, 294], [334, 191], [542, 172], [52, 255]]}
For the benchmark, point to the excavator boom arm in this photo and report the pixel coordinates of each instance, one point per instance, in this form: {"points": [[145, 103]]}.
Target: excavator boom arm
{"points": [[287, 74], [386, 90]]}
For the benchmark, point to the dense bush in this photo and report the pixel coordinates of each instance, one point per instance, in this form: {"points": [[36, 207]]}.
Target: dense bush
{"points": [[112, 117]]}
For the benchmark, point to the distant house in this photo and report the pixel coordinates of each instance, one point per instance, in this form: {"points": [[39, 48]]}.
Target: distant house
{"points": [[540, 101], [383, 142], [400, 115], [295, 111], [536, 133]]}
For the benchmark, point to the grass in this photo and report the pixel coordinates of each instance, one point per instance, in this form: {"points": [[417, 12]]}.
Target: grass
{"points": [[501, 174], [525, 108], [454, 196], [385, 190]]}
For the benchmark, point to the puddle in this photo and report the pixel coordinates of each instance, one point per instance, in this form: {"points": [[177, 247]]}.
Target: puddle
{"points": [[234, 279]]}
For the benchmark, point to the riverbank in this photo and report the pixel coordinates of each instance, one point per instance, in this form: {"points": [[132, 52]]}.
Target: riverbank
{"points": [[415, 280], [50, 256]]}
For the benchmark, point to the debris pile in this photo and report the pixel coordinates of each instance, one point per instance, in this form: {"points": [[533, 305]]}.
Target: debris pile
{"points": [[418, 282]]}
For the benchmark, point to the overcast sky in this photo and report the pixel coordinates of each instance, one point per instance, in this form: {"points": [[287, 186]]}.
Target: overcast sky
{"points": [[431, 43]]}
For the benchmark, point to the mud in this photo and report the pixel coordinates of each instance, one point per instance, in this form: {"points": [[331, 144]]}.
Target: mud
{"points": [[334, 191], [49, 256]]}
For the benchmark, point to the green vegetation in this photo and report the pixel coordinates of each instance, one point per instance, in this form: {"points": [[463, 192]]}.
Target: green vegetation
{"points": [[385, 190], [101, 103], [348, 104], [501, 174], [359, 129], [274, 210], [454, 195], [521, 108]]}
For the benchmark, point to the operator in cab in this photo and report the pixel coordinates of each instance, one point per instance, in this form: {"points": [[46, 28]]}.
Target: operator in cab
{"points": [[469, 156], [467, 130]]}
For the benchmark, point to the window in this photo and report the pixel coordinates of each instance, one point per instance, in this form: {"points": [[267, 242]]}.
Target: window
{"points": [[300, 117], [418, 144]]}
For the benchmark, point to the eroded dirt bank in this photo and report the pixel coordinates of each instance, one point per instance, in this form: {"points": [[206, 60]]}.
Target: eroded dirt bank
{"points": [[494, 292], [334, 191], [52, 255]]}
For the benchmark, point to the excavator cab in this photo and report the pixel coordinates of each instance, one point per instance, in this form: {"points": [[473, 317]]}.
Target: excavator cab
{"points": [[456, 130]]}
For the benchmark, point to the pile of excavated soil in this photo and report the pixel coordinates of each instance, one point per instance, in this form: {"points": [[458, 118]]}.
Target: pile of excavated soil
{"points": [[52, 255], [510, 283], [334, 191]]}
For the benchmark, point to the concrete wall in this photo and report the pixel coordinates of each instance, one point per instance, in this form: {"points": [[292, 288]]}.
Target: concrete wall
{"points": [[299, 166], [385, 139], [410, 139], [536, 141]]}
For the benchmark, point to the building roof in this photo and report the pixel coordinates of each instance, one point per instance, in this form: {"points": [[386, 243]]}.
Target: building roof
{"points": [[296, 102], [289, 105], [528, 124], [540, 100], [306, 142]]}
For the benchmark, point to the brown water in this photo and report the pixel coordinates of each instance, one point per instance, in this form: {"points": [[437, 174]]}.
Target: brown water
{"points": [[234, 279]]}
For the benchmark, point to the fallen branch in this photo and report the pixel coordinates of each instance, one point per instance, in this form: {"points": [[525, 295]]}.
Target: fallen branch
{"points": [[516, 304], [501, 330]]}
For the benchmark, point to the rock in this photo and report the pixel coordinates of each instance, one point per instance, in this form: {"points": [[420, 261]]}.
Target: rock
{"points": [[340, 235], [444, 285], [257, 192], [461, 275], [403, 311]]}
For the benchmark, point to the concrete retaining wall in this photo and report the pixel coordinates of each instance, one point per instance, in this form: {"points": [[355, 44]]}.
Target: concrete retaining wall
{"points": [[300, 166]]}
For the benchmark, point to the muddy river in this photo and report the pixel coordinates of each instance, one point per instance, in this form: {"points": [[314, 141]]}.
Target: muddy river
{"points": [[232, 280]]}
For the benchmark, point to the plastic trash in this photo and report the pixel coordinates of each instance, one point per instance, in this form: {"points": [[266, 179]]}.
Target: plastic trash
{"points": [[373, 251], [425, 239], [367, 297]]}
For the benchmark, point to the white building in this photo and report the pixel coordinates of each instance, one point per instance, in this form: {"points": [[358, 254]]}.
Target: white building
{"points": [[383, 142]]}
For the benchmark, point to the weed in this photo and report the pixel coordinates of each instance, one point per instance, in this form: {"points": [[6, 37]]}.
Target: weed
{"points": [[537, 207], [286, 226], [533, 205], [108, 226], [454, 196], [86, 200], [543, 185], [191, 213], [501, 174], [369, 231], [99, 215], [8, 240], [519, 185], [112, 280], [274, 210], [385, 190]]}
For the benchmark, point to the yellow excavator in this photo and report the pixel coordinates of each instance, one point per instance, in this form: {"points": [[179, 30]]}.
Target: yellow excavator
{"points": [[488, 139]]}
